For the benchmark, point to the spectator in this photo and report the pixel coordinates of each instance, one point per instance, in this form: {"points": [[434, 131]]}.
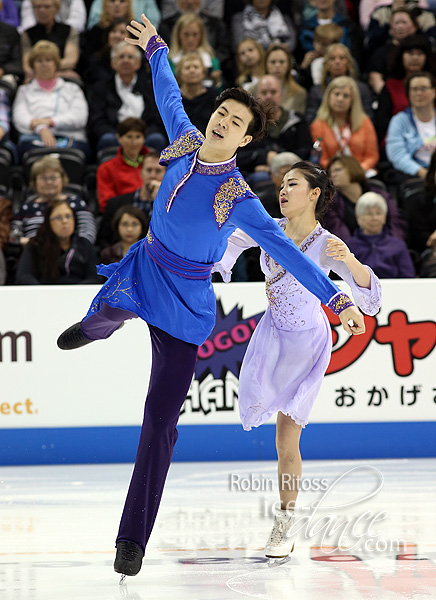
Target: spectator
{"points": [[290, 133], [151, 175], [310, 72], [350, 182], [338, 62], [127, 93], [411, 137], [94, 37], [130, 225], [5, 123], [47, 28], [278, 62], [262, 21], [400, 26], [422, 217], [97, 66], [5, 221], [49, 111], [9, 13], [48, 178], [250, 61], [216, 33], [57, 255], [367, 8], [148, 7], [72, 12], [326, 13], [10, 54], [344, 127], [371, 244], [122, 174], [198, 100], [3, 272], [189, 35]]}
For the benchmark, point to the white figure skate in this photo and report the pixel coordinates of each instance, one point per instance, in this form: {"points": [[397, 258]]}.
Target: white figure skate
{"points": [[281, 541]]}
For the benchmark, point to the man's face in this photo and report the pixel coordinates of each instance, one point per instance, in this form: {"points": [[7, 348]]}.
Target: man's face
{"points": [[227, 127], [152, 170], [45, 11], [126, 62], [270, 88]]}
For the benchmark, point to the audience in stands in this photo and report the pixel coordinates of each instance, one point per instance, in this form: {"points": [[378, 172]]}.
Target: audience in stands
{"points": [[5, 125], [350, 182], [127, 93], [198, 100], [49, 111], [93, 38], [57, 255], [311, 66], [343, 127], [48, 179], [143, 197], [388, 256], [129, 225], [122, 174], [422, 215], [250, 62], [10, 54], [71, 12], [9, 13], [278, 62], [97, 66], [148, 7], [47, 28], [411, 136]]}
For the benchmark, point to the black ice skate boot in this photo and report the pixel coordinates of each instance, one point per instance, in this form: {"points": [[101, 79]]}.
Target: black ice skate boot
{"points": [[128, 560], [72, 338]]}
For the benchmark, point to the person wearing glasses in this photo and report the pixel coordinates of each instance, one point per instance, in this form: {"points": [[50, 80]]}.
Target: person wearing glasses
{"points": [[48, 178], [411, 137], [57, 255]]}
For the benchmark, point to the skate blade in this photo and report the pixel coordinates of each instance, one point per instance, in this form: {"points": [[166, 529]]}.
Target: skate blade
{"points": [[122, 579], [277, 562]]}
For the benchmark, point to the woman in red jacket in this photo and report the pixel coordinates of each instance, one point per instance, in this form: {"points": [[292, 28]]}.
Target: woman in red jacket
{"points": [[122, 174]]}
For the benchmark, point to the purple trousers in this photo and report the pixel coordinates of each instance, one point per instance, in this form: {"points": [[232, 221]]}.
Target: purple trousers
{"points": [[172, 367]]}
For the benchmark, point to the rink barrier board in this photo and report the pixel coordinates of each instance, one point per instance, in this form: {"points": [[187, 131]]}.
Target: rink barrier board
{"points": [[80, 445]]}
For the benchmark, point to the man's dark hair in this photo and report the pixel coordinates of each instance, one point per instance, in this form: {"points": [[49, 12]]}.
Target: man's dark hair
{"points": [[265, 113], [131, 124]]}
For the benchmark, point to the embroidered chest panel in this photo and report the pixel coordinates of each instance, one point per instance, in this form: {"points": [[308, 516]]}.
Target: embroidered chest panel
{"points": [[227, 195], [187, 142]]}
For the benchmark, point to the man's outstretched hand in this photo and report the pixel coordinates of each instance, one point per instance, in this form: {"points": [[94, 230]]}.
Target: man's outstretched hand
{"points": [[142, 32], [356, 325]]}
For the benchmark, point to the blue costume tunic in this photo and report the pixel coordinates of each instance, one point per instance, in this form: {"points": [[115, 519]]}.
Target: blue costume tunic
{"points": [[198, 206]]}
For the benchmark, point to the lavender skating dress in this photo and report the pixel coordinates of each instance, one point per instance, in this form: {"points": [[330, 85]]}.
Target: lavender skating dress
{"points": [[290, 349]]}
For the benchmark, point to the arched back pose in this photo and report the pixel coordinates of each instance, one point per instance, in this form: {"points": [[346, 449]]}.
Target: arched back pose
{"points": [[290, 350], [166, 278]]}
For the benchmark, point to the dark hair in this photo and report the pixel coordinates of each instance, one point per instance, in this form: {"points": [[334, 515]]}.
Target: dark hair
{"points": [[351, 165], [394, 64], [430, 184], [425, 74], [131, 124], [265, 113], [133, 211], [45, 246], [152, 154], [317, 177]]}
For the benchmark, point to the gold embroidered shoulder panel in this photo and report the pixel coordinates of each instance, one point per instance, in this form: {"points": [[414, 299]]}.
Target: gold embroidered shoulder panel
{"points": [[227, 195], [186, 142]]}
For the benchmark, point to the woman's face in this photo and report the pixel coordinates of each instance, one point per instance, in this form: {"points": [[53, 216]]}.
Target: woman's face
{"points": [[277, 63], [414, 60], [129, 229], [44, 67], [62, 221], [49, 185], [402, 26], [339, 175], [371, 222], [248, 54], [338, 63], [117, 34], [192, 71], [340, 100], [117, 9], [132, 143], [190, 37], [295, 196]]}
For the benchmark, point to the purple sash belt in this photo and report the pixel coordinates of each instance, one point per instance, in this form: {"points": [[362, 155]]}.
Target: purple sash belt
{"points": [[173, 263]]}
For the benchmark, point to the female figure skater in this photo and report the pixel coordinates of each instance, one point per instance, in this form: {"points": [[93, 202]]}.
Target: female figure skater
{"points": [[166, 278], [294, 324]]}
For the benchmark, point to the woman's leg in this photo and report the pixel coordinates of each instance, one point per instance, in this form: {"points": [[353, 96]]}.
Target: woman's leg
{"points": [[289, 465], [173, 363]]}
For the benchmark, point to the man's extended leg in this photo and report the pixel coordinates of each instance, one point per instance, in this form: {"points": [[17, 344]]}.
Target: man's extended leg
{"points": [[173, 363]]}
